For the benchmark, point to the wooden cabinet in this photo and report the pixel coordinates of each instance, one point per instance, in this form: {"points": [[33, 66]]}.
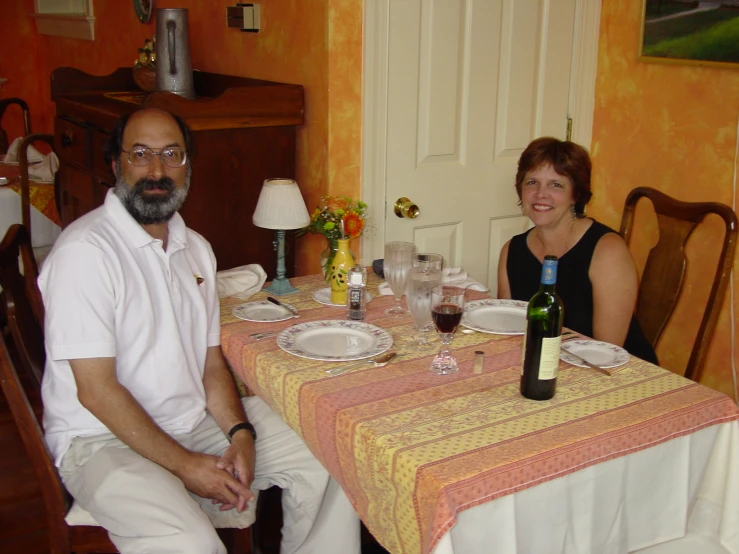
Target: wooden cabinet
{"points": [[243, 133]]}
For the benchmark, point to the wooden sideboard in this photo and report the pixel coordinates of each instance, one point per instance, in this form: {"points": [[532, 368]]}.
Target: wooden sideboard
{"points": [[243, 133]]}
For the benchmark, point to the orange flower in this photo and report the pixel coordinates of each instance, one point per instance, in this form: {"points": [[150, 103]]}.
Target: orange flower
{"points": [[353, 224]]}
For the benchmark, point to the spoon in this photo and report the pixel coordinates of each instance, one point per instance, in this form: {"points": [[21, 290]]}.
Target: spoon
{"points": [[380, 361]]}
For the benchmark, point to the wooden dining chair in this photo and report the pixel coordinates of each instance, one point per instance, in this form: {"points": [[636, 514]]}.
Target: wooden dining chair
{"points": [[71, 529], [4, 103], [664, 271]]}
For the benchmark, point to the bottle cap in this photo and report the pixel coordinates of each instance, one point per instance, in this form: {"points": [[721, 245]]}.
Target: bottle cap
{"points": [[356, 278]]}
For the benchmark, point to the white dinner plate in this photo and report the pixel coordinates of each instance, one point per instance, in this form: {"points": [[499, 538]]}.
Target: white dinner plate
{"points": [[334, 340], [261, 311], [496, 315], [323, 296], [603, 354]]}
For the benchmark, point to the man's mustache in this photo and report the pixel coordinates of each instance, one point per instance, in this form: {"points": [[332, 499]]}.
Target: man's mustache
{"points": [[163, 183]]}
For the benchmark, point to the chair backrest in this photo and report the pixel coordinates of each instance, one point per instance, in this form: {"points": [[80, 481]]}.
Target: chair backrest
{"points": [[664, 271], [4, 103], [26, 181], [23, 306]]}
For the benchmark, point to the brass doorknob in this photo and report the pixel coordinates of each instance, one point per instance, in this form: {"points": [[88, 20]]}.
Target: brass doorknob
{"points": [[405, 208]]}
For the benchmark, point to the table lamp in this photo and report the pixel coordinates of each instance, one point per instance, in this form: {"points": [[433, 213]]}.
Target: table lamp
{"points": [[280, 207]]}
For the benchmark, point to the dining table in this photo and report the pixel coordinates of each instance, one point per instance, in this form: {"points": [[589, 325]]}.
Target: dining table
{"points": [[45, 220], [463, 464]]}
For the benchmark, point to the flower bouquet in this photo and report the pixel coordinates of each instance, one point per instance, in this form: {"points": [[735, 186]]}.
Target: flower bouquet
{"points": [[337, 217], [144, 68]]}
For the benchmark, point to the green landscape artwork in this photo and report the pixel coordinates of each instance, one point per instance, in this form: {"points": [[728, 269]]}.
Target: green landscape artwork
{"points": [[690, 32]]}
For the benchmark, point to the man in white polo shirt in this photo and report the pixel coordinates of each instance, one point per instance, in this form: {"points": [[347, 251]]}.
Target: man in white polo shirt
{"points": [[139, 406]]}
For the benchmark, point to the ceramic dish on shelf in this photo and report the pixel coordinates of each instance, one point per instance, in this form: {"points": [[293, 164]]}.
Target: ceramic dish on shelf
{"points": [[323, 296], [496, 315], [334, 340], [602, 354], [261, 311]]}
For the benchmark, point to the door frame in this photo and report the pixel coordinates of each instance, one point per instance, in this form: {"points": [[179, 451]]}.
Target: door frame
{"points": [[374, 103]]}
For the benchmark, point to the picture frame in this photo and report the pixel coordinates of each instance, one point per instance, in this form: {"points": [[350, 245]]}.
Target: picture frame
{"points": [[689, 32], [143, 9]]}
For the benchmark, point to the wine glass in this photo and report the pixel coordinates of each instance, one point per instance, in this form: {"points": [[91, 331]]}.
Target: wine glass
{"points": [[447, 306], [398, 262], [421, 281]]}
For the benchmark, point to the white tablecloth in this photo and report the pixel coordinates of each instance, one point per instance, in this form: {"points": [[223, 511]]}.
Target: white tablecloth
{"points": [[43, 231], [688, 485]]}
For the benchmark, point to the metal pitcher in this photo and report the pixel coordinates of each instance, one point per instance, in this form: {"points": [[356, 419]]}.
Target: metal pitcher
{"points": [[174, 66]]}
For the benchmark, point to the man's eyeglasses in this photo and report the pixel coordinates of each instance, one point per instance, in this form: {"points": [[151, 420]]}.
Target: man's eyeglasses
{"points": [[171, 157]]}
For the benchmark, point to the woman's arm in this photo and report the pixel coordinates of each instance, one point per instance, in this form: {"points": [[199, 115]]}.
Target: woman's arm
{"points": [[615, 286], [504, 287]]}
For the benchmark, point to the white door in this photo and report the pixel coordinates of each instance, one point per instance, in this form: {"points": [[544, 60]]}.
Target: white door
{"points": [[468, 85]]}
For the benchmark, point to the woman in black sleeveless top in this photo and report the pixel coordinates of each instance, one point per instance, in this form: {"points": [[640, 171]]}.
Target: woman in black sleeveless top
{"points": [[596, 276]]}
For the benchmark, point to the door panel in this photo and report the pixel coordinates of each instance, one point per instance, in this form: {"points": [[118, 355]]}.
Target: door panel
{"points": [[470, 84]]}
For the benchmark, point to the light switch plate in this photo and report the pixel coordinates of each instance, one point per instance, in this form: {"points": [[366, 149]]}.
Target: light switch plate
{"points": [[244, 17]]}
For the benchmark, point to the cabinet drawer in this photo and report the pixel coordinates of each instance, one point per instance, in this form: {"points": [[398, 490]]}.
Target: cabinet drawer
{"points": [[70, 142]]}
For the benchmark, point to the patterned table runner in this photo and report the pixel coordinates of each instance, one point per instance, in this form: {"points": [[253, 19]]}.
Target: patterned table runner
{"points": [[412, 449]]}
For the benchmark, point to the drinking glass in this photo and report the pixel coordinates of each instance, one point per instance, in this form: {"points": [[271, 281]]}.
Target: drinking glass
{"points": [[447, 306], [398, 262], [427, 260], [421, 281]]}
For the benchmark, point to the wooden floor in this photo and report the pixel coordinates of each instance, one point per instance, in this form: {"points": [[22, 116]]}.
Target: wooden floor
{"points": [[22, 513]]}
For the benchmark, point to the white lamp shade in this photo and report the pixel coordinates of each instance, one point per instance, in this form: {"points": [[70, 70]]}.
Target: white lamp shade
{"points": [[281, 206]]}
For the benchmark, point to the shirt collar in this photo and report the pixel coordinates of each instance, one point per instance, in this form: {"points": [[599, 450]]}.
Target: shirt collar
{"points": [[136, 233]]}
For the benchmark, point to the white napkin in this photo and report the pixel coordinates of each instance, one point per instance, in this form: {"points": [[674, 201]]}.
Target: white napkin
{"points": [[455, 276], [11, 157], [44, 171], [242, 282]]}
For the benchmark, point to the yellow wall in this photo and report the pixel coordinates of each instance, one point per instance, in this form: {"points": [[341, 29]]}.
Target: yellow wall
{"points": [[671, 127], [317, 44]]}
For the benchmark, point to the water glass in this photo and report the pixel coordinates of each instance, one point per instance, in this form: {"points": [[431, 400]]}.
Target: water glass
{"points": [[427, 260], [421, 281], [398, 262], [447, 307]]}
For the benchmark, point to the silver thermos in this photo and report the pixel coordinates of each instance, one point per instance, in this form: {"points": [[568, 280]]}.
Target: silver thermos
{"points": [[174, 66]]}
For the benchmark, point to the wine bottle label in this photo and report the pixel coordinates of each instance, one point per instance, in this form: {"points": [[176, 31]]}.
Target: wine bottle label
{"points": [[549, 361], [523, 352]]}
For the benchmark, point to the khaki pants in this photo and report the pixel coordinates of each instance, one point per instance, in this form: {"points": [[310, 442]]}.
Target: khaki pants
{"points": [[146, 509]]}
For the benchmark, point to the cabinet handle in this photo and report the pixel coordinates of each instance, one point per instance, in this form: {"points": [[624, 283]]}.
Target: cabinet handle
{"points": [[67, 137]]}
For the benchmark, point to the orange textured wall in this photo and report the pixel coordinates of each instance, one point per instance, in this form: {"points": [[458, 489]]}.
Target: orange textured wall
{"points": [[317, 44], [674, 128]]}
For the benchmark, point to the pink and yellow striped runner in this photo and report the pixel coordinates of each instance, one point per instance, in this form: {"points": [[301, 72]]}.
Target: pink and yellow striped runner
{"points": [[412, 449]]}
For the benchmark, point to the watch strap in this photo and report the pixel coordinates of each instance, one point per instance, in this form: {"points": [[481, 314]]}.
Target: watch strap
{"points": [[243, 425]]}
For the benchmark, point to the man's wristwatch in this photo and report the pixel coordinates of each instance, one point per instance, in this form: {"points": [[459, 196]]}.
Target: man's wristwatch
{"points": [[243, 425]]}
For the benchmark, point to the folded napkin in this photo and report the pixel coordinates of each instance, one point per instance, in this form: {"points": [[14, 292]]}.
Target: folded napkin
{"points": [[455, 276], [11, 157], [241, 282], [44, 172]]}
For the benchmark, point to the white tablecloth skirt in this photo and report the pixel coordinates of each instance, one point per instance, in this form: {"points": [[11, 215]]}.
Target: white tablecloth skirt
{"points": [[43, 231], [686, 488]]}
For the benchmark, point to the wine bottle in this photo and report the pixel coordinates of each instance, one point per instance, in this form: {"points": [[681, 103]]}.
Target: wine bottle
{"points": [[542, 340]]}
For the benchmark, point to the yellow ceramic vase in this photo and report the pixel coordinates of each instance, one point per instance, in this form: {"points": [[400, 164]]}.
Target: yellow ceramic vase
{"points": [[343, 260]]}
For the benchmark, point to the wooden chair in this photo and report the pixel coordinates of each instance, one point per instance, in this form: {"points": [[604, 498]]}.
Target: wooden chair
{"points": [[664, 271], [71, 529], [4, 103]]}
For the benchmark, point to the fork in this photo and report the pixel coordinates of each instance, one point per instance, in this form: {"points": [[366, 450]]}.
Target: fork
{"points": [[260, 336]]}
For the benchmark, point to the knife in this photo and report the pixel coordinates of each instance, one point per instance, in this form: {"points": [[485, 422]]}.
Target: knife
{"points": [[288, 308], [582, 360]]}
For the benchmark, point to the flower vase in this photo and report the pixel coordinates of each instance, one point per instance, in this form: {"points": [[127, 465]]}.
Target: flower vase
{"points": [[338, 271], [327, 256]]}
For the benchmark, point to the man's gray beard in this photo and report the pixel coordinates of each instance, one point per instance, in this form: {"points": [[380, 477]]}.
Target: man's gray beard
{"points": [[155, 209]]}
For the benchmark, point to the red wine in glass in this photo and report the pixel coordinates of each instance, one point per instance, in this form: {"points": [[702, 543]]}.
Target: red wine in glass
{"points": [[447, 317]]}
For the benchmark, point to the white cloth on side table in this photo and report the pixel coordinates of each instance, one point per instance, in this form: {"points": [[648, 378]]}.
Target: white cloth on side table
{"points": [[242, 282], [454, 276], [11, 156]]}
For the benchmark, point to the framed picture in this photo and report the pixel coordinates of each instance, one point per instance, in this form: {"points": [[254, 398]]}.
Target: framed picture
{"points": [[143, 9], [689, 32]]}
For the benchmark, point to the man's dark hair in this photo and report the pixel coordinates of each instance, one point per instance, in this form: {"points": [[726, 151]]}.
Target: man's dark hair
{"points": [[114, 145]]}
